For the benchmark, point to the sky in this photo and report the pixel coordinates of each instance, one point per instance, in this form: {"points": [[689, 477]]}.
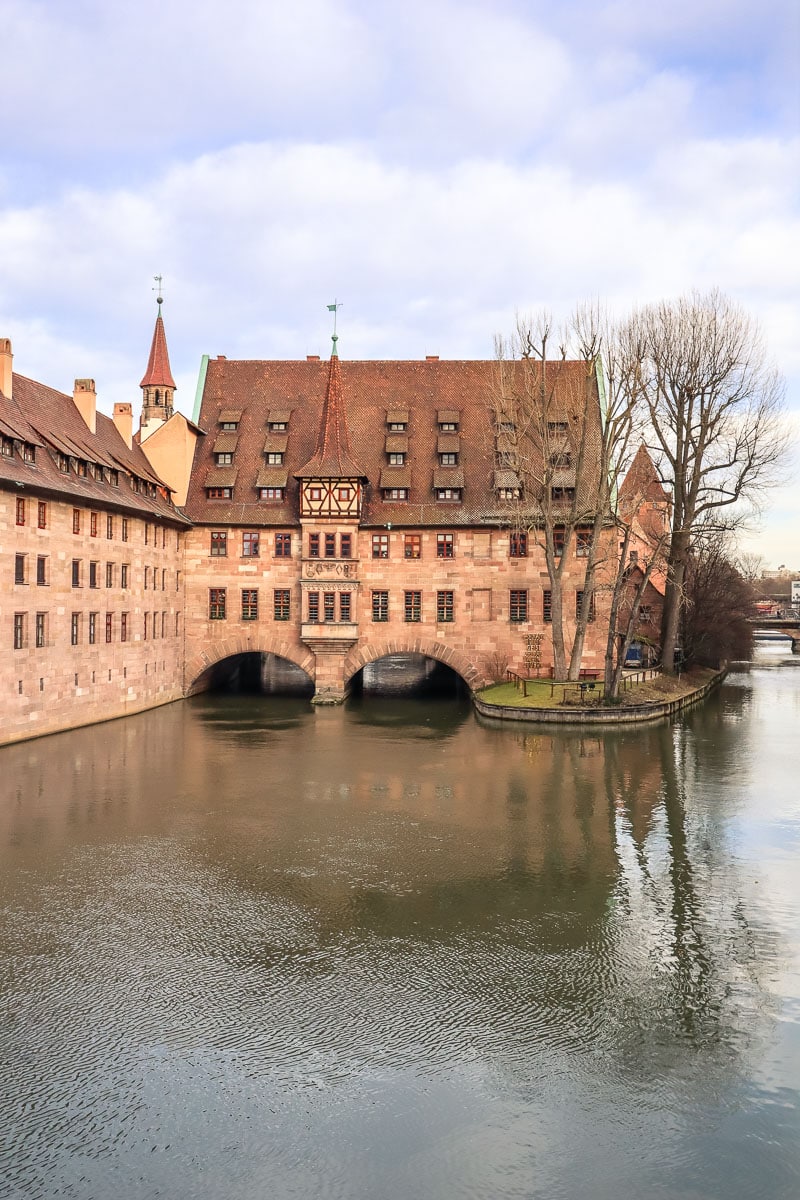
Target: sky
{"points": [[436, 167]]}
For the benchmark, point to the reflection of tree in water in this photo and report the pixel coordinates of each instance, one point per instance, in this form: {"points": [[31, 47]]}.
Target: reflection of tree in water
{"points": [[694, 979]]}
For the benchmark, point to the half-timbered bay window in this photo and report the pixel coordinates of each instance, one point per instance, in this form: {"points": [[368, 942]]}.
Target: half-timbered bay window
{"points": [[249, 604], [380, 545], [518, 605], [219, 543], [412, 606], [518, 544], [250, 543], [445, 546], [283, 545], [412, 545], [380, 606], [217, 603], [281, 604], [444, 607]]}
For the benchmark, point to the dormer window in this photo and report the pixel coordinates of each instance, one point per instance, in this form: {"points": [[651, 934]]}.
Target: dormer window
{"points": [[278, 426], [80, 468], [396, 459], [562, 458], [562, 495], [397, 420], [219, 493], [397, 427], [449, 495], [506, 427], [274, 458], [557, 427], [448, 426], [448, 459], [223, 459], [7, 447], [399, 493], [229, 426], [509, 493]]}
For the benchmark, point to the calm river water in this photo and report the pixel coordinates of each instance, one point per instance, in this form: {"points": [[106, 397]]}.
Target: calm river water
{"points": [[389, 952]]}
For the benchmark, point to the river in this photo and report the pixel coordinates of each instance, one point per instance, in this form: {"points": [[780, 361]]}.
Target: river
{"points": [[392, 952]]}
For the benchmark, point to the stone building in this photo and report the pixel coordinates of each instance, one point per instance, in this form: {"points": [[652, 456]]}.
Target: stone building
{"points": [[326, 513]]}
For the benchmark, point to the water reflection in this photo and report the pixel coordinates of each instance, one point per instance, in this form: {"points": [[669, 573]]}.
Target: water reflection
{"points": [[388, 951]]}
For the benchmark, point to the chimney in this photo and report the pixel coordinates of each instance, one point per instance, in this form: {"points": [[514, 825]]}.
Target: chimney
{"points": [[85, 396], [6, 359], [123, 419]]}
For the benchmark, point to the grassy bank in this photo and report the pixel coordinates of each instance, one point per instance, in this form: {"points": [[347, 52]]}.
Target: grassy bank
{"points": [[543, 693]]}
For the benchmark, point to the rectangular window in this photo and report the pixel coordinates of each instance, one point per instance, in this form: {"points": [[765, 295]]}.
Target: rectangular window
{"points": [[380, 545], [109, 626], [395, 493], [40, 630], [19, 568], [645, 613], [448, 459], [274, 458], [345, 607], [146, 578], [123, 627], [448, 426], [396, 459], [146, 623], [444, 545], [346, 545], [216, 604], [76, 520], [20, 510], [444, 607], [93, 575], [19, 631], [281, 604], [412, 545], [518, 545], [313, 607], [313, 545], [315, 493], [219, 493], [42, 515], [273, 494], [249, 604], [344, 493], [562, 495], [109, 575], [147, 533], [75, 629], [329, 606], [92, 628], [219, 543], [547, 606], [330, 545], [163, 624], [124, 529], [283, 545], [518, 605], [558, 540], [41, 570], [163, 579], [109, 527], [380, 606], [450, 495], [250, 543], [579, 603], [76, 572], [93, 524], [557, 427], [224, 458], [124, 575], [412, 606], [583, 540]]}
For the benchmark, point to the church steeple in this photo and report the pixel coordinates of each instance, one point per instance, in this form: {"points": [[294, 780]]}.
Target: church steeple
{"points": [[158, 386]]}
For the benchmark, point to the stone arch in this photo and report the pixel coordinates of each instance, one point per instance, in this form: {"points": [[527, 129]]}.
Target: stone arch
{"points": [[242, 643], [367, 652]]}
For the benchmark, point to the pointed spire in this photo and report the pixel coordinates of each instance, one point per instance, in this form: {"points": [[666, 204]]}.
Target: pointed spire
{"points": [[332, 458], [157, 384]]}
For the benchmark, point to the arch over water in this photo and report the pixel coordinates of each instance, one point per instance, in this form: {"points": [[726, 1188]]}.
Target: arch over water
{"points": [[368, 652], [235, 645]]}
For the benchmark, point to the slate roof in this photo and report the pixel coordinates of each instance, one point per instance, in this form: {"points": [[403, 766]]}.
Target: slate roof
{"points": [[372, 395], [49, 419]]}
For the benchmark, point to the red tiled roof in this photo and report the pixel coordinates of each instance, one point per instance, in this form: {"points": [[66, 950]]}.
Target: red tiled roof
{"points": [[50, 420], [376, 392], [158, 373], [332, 458]]}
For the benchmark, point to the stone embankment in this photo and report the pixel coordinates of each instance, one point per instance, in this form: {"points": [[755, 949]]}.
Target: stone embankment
{"points": [[654, 700]]}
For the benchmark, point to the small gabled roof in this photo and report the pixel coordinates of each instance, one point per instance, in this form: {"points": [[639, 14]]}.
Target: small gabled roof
{"points": [[332, 458]]}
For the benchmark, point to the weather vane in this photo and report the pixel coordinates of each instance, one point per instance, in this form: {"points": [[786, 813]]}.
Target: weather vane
{"points": [[337, 304], [159, 280]]}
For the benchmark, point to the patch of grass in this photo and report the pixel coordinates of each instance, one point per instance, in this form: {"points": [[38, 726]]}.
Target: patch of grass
{"points": [[543, 693]]}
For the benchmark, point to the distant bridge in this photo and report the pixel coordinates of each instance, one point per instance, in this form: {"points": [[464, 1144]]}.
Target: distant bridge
{"points": [[790, 626]]}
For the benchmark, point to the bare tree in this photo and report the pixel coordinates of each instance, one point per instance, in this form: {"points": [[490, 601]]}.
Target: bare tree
{"points": [[750, 565], [715, 406]]}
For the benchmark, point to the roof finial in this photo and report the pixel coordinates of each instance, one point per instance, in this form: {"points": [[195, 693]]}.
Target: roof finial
{"points": [[159, 280], [337, 304]]}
